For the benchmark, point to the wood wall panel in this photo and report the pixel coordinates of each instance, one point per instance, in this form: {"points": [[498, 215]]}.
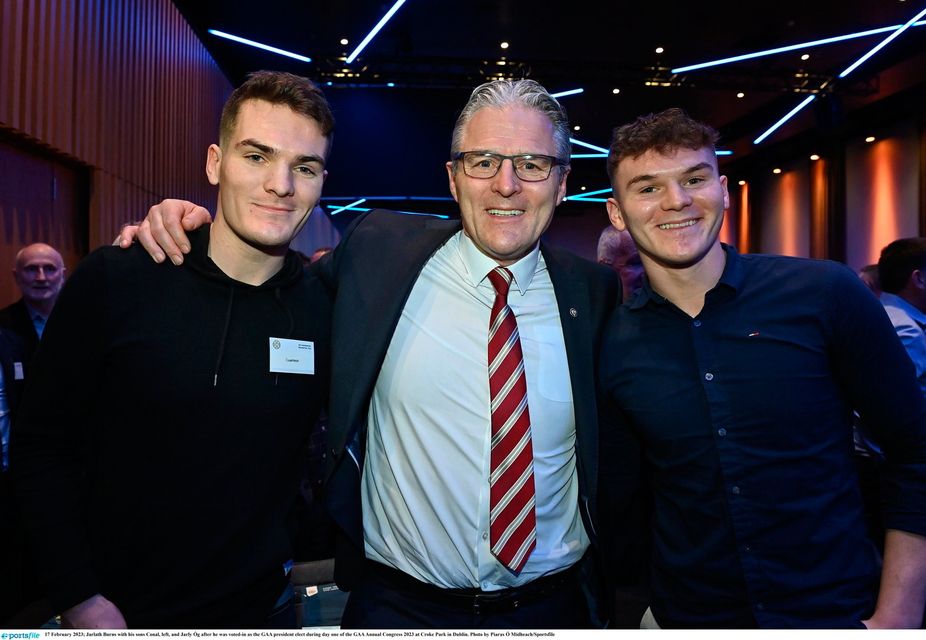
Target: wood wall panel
{"points": [[124, 87]]}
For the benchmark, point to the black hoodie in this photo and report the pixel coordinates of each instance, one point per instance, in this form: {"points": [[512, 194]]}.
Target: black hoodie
{"points": [[156, 455]]}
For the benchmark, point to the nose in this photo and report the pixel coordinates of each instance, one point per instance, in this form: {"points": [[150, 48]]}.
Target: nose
{"points": [[40, 274], [506, 181], [676, 198], [280, 181]]}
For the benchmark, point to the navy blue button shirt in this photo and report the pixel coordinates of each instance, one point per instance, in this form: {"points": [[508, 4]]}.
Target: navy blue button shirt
{"points": [[743, 416]]}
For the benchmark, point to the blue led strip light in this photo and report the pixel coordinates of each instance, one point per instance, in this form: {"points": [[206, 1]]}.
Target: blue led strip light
{"points": [[563, 94], [347, 206], [852, 67], [793, 47], [787, 117], [588, 146], [265, 47], [372, 34]]}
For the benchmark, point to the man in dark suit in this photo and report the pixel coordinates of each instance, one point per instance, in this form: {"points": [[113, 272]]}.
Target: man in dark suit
{"points": [[413, 479], [39, 274], [12, 596]]}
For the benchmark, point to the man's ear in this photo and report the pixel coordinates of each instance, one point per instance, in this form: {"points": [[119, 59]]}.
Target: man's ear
{"points": [[453, 184], [213, 163], [615, 214]]}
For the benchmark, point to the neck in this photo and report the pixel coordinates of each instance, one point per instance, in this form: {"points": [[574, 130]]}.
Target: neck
{"points": [[686, 287], [239, 260], [42, 307]]}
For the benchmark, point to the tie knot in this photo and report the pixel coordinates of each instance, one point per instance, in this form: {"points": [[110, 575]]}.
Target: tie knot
{"points": [[501, 280]]}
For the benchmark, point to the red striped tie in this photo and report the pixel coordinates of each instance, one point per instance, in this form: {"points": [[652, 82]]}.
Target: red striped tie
{"points": [[512, 523]]}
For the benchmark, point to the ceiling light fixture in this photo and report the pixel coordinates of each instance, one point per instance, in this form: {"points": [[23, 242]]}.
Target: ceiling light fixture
{"points": [[787, 117], [870, 139], [659, 49], [265, 47], [776, 170], [372, 34], [806, 56], [588, 146], [353, 204], [740, 95], [852, 67], [577, 128], [814, 157], [344, 41], [793, 47], [562, 94], [504, 45], [741, 183], [615, 91]]}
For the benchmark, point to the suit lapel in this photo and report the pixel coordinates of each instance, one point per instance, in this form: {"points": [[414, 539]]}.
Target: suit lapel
{"points": [[576, 313]]}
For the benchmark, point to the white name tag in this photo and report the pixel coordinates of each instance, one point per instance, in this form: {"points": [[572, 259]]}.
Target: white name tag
{"points": [[292, 356], [18, 371]]}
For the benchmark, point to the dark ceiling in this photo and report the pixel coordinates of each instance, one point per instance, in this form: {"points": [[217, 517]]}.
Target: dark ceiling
{"points": [[435, 52]]}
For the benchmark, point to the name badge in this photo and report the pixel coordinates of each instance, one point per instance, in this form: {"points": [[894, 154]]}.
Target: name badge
{"points": [[18, 371], [292, 356]]}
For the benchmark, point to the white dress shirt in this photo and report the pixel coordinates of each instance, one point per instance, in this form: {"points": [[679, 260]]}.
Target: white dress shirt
{"points": [[908, 322], [425, 488]]}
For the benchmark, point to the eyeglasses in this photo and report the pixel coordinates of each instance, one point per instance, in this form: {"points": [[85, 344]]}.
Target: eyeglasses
{"points": [[529, 167]]}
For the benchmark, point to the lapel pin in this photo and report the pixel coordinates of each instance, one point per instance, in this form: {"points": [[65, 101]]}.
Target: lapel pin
{"points": [[573, 312]]}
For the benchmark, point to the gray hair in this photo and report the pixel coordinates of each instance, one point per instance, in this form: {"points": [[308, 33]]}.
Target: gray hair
{"points": [[524, 92]]}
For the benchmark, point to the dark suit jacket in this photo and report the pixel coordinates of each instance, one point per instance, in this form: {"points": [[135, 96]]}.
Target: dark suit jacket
{"points": [[372, 271], [15, 317]]}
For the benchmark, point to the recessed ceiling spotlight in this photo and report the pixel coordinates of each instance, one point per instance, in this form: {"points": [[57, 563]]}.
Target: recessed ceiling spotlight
{"points": [[344, 41], [870, 139], [615, 91], [577, 128], [776, 170], [814, 157], [659, 49], [581, 188], [504, 45], [806, 56], [742, 183], [740, 95]]}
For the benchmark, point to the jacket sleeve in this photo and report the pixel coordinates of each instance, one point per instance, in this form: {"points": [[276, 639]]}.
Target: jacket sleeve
{"points": [[52, 435]]}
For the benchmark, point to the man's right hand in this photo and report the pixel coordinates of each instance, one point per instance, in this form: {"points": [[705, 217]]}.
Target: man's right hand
{"points": [[163, 231], [95, 612]]}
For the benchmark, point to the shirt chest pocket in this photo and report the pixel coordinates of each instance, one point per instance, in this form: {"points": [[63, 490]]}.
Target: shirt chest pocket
{"points": [[546, 363]]}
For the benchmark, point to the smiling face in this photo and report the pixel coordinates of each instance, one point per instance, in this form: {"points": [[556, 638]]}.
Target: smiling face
{"points": [[672, 204], [505, 216], [270, 173]]}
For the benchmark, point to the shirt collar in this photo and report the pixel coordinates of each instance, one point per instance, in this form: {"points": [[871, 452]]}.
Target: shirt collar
{"points": [[732, 278], [479, 264], [896, 301]]}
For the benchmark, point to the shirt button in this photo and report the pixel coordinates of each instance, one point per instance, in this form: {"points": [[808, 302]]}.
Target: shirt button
{"points": [[697, 323], [485, 535], [735, 491], [708, 376], [721, 432]]}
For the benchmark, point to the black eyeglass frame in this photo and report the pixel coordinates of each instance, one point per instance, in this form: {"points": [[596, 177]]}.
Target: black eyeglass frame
{"points": [[554, 162]]}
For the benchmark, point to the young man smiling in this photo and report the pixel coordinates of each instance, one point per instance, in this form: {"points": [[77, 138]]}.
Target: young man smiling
{"points": [[737, 375], [183, 397]]}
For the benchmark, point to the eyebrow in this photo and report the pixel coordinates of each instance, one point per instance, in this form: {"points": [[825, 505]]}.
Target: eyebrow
{"points": [[270, 151], [646, 177]]}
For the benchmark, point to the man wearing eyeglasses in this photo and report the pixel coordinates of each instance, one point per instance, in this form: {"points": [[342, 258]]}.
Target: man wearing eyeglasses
{"points": [[447, 520]]}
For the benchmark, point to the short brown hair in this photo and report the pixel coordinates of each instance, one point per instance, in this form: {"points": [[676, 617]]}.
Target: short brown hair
{"points": [[276, 87], [664, 131]]}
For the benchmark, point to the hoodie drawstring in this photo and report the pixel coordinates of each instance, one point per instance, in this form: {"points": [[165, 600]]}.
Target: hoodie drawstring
{"points": [[228, 313]]}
